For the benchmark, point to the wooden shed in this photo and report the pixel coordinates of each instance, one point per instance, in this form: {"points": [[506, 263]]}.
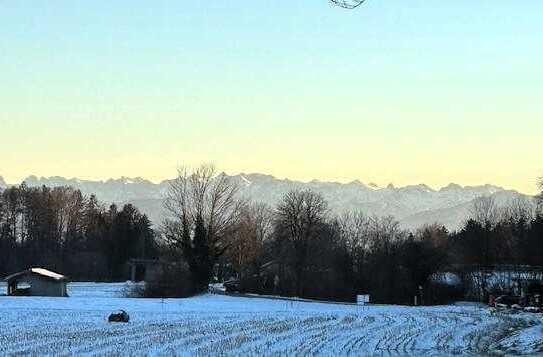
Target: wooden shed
{"points": [[37, 282]]}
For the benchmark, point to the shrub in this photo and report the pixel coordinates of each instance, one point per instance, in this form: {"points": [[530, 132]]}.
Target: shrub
{"points": [[173, 281], [439, 293]]}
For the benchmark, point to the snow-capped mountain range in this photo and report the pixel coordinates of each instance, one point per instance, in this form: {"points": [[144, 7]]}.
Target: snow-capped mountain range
{"points": [[412, 205]]}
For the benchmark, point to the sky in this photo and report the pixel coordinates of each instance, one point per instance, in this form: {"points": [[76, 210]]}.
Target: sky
{"points": [[403, 92]]}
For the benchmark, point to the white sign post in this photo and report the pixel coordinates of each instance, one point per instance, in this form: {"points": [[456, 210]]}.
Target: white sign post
{"points": [[362, 299]]}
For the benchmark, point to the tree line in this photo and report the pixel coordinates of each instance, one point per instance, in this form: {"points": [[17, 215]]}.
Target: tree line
{"points": [[299, 248], [508, 235], [63, 230]]}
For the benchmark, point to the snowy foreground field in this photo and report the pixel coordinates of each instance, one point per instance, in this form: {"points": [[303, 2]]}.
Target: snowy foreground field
{"points": [[213, 324]]}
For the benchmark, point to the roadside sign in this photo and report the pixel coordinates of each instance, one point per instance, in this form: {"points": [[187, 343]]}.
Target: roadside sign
{"points": [[362, 299]]}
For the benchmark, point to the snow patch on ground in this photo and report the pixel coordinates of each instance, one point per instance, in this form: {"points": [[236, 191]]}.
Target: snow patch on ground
{"points": [[217, 324], [523, 341]]}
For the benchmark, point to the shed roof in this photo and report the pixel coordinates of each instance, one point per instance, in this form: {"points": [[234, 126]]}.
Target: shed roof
{"points": [[44, 273]]}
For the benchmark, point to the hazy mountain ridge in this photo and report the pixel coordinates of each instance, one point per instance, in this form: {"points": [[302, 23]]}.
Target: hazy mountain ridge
{"points": [[413, 205], [111, 190]]}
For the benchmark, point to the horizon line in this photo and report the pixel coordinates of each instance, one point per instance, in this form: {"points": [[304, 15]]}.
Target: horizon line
{"points": [[371, 185]]}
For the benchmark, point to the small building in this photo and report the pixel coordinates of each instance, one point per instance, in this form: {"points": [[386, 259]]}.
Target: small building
{"points": [[37, 282]]}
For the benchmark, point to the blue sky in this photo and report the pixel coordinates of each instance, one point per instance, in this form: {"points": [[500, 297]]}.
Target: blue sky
{"points": [[395, 91]]}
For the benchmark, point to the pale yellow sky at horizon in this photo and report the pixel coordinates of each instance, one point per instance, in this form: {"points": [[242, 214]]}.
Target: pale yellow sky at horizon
{"points": [[530, 187], [285, 143]]}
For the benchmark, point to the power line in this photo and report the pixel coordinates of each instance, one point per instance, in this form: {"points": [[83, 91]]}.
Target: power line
{"points": [[347, 4]]}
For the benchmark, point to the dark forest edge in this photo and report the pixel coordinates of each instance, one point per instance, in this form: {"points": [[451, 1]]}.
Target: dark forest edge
{"points": [[64, 230], [297, 248]]}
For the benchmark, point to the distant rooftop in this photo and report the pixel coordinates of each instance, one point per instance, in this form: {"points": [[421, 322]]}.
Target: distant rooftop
{"points": [[38, 271]]}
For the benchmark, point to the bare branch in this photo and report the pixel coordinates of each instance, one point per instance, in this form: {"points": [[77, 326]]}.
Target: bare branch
{"points": [[201, 194], [484, 210]]}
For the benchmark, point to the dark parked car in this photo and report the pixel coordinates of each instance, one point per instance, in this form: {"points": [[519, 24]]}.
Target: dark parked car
{"points": [[232, 285], [506, 301]]}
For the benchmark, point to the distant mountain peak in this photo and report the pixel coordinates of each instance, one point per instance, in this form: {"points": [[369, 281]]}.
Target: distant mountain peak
{"points": [[3, 182], [257, 176], [133, 180], [31, 178], [426, 187], [357, 182], [451, 187], [486, 189], [420, 188]]}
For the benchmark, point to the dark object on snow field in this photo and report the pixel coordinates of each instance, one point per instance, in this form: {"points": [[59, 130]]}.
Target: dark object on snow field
{"points": [[119, 316]]}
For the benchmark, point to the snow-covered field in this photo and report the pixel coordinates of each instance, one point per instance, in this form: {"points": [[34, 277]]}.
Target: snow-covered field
{"points": [[214, 324]]}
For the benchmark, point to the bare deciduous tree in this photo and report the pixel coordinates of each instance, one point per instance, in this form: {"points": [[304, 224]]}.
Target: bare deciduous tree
{"points": [[484, 211], [517, 209], [204, 210], [354, 228], [300, 214], [384, 232], [247, 244]]}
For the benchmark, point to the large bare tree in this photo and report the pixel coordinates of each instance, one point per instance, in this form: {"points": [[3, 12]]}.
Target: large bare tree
{"points": [[204, 210], [246, 246], [484, 210], [300, 214], [354, 228], [518, 209]]}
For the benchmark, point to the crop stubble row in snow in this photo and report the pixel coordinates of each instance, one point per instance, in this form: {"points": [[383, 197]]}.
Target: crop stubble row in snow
{"points": [[218, 324]]}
